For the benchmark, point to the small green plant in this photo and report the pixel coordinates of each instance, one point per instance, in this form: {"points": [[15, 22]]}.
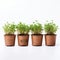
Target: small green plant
{"points": [[23, 28], [50, 27], [36, 28], [9, 28]]}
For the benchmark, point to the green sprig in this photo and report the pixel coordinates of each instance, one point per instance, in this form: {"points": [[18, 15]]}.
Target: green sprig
{"points": [[9, 28], [50, 27], [36, 28], [23, 28]]}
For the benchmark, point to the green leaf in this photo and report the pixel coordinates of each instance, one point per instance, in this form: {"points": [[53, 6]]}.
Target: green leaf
{"points": [[50, 27], [9, 28], [23, 28], [36, 28]]}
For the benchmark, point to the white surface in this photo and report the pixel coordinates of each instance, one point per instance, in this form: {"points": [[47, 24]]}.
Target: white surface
{"points": [[30, 53], [28, 11]]}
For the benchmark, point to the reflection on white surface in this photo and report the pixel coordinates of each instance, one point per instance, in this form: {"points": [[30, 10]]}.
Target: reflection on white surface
{"points": [[30, 53]]}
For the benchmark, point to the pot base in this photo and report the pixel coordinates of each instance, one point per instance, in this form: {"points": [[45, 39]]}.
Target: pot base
{"points": [[10, 45], [36, 45], [50, 45], [22, 45]]}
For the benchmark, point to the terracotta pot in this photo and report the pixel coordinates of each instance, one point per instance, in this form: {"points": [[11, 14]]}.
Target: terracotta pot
{"points": [[9, 39], [37, 39], [50, 40], [23, 39]]}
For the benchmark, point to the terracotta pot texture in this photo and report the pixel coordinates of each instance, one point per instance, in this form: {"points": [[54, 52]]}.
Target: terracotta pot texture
{"points": [[9, 39], [50, 40], [23, 39], [37, 39]]}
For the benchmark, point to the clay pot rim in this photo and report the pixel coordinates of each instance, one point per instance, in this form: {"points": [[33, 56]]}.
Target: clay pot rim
{"points": [[36, 34], [51, 34], [23, 34], [9, 35]]}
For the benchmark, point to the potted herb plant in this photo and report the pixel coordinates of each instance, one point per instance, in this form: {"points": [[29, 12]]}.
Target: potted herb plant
{"points": [[36, 29], [9, 36], [23, 35], [50, 36]]}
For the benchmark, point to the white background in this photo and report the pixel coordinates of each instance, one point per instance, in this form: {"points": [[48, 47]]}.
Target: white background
{"points": [[28, 11]]}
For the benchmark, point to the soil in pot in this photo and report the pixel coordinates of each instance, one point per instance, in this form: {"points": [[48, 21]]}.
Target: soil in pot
{"points": [[23, 39], [50, 40], [37, 39], [9, 39]]}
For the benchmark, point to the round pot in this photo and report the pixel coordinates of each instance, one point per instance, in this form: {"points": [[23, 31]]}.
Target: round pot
{"points": [[23, 39], [37, 39], [9, 39], [50, 39]]}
